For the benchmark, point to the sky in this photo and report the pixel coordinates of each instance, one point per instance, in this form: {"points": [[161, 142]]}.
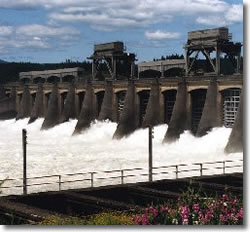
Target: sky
{"points": [[48, 31]]}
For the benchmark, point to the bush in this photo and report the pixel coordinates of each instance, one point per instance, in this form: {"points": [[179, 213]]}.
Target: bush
{"points": [[111, 218], [105, 218], [194, 210]]}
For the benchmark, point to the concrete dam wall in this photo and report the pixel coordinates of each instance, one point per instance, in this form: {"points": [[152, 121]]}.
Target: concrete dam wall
{"points": [[195, 104]]}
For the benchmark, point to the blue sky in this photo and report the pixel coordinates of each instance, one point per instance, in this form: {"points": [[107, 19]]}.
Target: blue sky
{"points": [[56, 30]]}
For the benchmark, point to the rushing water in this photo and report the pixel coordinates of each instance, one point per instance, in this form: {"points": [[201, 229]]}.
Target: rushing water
{"points": [[55, 151]]}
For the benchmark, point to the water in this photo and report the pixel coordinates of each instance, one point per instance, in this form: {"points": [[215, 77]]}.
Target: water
{"points": [[55, 151]]}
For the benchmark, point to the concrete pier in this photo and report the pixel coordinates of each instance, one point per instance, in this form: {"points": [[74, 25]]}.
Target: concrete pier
{"points": [[210, 113], [128, 122], [38, 108], [154, 110], [53, 112], [107, 108], [8, 108], [88, 111], [178, 122], [235, 142], [69, 109], [25, 108]]}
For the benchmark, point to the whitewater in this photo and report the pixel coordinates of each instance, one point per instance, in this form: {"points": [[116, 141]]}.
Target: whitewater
{"points": [[56, 151]]}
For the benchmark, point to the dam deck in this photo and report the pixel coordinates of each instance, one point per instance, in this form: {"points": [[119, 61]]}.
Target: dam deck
{"points": [[128, 197]]}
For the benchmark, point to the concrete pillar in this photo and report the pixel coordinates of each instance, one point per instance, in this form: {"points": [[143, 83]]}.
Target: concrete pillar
{"points": [[88, 111], [209, 118], [69, 110], [26, 105], [153, 111], [53, 112], [235, 142], [114, 60], [129, 116], [186, 61], [178, 122], [218, 52], [108, 103], [8, 106], [38, 109]]}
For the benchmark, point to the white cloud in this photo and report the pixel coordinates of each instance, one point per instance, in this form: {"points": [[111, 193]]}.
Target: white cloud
{"points": [[6, 30], [234, 14], [115, 14], [36, 37], [46, 31], [161, 35]]}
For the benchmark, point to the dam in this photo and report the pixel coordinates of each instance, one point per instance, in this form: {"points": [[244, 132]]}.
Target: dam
{"points": [[192, 101]]}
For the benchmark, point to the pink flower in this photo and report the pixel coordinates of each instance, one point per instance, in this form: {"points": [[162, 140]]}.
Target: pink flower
{"points": [[145, 220], [224, 197], [196, 208]]}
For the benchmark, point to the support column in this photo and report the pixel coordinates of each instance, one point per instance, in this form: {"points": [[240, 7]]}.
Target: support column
{"points": [[178, 122], [38, 108], [53, 112], [69, 107], [186, 61], [26, 104], [209, 118], [129, 116], [218, 53], [114, 68], [107, 104], [153, 111], [88, 111]]}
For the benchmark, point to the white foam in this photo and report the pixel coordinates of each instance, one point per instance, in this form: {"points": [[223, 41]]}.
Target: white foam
{"points": [[56, 151]]}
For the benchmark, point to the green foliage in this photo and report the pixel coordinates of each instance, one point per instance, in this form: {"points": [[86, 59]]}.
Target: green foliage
{"points": [[57, 220], [104, 218], [111, 218]]}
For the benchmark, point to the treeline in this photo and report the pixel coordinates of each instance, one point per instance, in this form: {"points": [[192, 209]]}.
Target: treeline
{"points": [[170, 57], [9, 71]]}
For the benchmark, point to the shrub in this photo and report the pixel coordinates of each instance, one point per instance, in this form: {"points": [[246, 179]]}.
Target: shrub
{"points": [[195, 210]]}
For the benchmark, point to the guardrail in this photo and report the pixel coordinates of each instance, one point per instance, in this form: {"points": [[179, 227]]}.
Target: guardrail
{"points": [[173, 172]]}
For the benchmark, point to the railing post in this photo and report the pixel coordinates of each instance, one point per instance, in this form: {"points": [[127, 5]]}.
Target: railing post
{"points": [[150, 154], [200, 169], [24, 137], [224, 167], [92, 179], [176, 171], [122, 177], [60, 182]]}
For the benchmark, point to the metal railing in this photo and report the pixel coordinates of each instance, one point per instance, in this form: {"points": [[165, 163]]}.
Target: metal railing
{"points": [[122, 175]]}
